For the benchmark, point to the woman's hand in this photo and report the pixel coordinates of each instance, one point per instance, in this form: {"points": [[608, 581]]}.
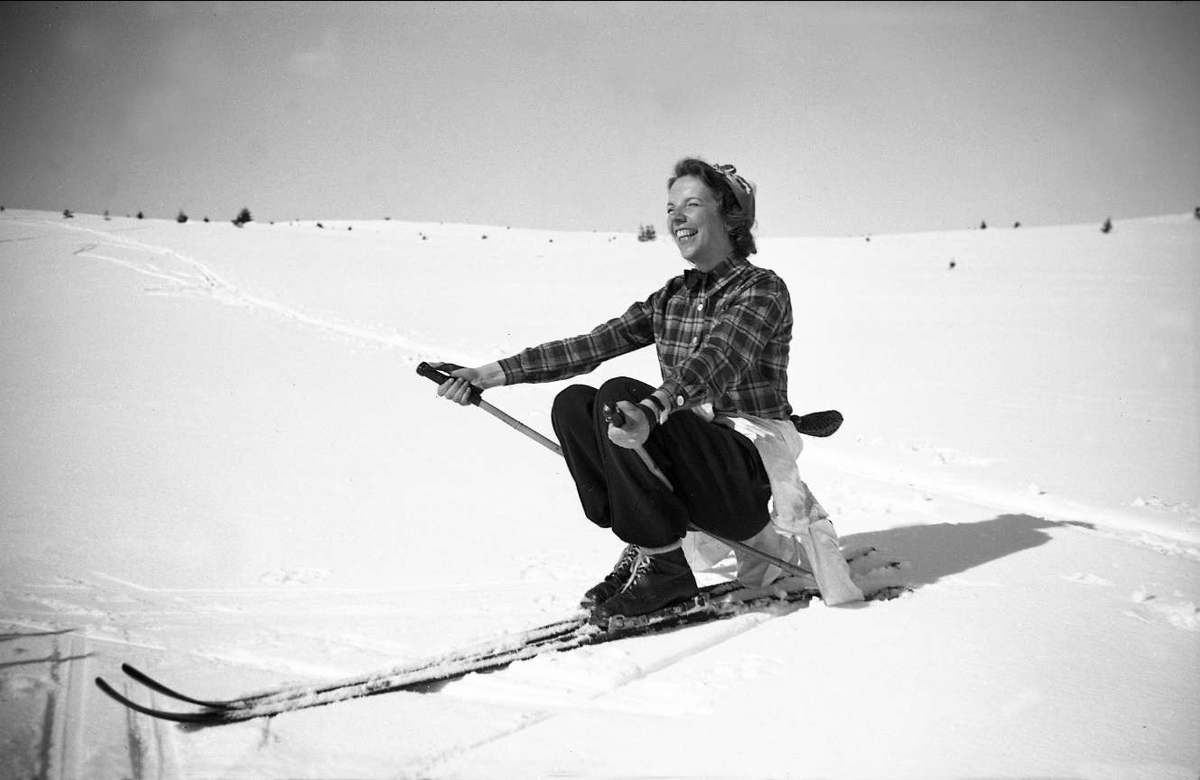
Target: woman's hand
{"points": [[465, 380], [636, 429]]}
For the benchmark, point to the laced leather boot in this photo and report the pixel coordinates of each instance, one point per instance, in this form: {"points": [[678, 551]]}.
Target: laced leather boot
{"points": [[657, 581], [614, 581]]}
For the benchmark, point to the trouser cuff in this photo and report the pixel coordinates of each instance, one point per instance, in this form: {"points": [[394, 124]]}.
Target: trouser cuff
{"points": [[675, 545]]}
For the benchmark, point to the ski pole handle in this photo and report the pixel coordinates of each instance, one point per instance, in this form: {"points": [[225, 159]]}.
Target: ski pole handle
{"points": [[440, 378], [614, 416]]}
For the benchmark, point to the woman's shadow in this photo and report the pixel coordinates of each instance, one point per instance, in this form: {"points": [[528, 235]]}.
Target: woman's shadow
{"points": [[933, 552]]}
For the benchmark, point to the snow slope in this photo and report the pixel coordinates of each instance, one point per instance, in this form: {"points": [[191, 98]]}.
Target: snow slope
{"points": [[216, 461]]}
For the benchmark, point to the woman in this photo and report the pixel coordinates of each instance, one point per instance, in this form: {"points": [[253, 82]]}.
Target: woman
{"points": [[717, 428]]}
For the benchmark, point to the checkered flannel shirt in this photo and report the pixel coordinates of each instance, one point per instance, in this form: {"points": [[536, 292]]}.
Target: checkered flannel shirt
{"points": [[722, 338]]}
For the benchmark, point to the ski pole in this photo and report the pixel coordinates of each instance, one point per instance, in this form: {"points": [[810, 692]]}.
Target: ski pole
{"points": [[429, 372], [617, 418]]}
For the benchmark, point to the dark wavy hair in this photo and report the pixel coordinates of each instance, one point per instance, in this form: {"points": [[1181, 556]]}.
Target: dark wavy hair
{"points": [[737, 221]]}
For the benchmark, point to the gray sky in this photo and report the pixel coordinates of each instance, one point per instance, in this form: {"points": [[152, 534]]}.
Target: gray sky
{"points": [[852, 118]]}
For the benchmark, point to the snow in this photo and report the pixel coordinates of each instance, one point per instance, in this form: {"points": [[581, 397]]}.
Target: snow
{"points": [[217, 462]]}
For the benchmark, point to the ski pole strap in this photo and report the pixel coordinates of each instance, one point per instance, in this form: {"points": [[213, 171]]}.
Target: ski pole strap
{"points": [[440, 377]]}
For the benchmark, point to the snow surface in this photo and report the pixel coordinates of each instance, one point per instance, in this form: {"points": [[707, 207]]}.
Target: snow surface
{"points": [[218, 463]]}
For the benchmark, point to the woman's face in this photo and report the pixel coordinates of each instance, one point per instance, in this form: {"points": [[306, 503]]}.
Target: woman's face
{"points": [[694, 219]]}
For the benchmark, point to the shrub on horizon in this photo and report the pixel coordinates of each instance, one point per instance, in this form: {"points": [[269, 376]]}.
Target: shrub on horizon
{"points": [[181, 218], [243, 217], [1107, 226], [67, 214]]}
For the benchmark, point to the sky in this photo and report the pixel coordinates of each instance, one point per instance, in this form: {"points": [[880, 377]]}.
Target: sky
{"points": [[851, 118]]}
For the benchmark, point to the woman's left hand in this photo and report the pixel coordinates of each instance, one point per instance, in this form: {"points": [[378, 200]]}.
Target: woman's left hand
{"points": [[636, 429]]}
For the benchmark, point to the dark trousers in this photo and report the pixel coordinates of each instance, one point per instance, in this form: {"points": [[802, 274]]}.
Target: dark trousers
{"points": [[719, 480]]}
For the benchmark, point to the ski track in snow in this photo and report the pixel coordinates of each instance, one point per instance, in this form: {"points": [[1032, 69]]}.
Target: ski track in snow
{"points": [[1169, 537], [198, 279]]}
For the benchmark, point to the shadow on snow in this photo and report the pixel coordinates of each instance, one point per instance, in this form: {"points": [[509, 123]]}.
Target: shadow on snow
{"points": [[945, 549]]}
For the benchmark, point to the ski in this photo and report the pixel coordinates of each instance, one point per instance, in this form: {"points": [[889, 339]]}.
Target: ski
{"points": [[710, 604], [714, 602], [530, 638]]}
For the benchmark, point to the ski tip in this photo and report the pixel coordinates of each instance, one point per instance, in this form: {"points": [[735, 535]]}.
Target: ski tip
{"points": [[112, 692]]}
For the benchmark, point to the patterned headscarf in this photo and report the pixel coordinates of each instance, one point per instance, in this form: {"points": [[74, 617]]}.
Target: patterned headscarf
{"points": [[743, 190]]}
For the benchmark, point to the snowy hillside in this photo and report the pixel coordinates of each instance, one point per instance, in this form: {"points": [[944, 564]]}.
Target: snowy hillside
{"points": [[217, 462]]}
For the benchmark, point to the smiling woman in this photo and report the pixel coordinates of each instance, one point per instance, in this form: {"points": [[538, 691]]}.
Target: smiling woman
{"points": [[714, 446], [699, 191]]}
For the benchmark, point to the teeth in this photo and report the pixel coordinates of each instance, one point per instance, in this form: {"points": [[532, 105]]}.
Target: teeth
{"points": [[685, 233]]}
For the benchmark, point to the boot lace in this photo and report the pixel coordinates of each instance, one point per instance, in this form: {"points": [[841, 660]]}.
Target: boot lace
{"points": [[642, 567], [626, 564]]}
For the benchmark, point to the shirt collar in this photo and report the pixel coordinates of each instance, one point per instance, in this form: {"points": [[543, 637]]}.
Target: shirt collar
{"points": [[698, 280]]}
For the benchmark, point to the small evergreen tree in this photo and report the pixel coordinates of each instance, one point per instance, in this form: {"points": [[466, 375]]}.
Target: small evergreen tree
{"points": [[243, 217], [983, 225], [140, 215]]}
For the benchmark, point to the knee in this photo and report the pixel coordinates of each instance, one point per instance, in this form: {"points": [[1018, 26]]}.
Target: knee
{"points": [[574, 400], [622, 388]]}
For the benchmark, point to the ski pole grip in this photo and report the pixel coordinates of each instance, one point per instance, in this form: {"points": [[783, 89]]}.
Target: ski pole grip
{"points": [[440, 378], [614, 416]]}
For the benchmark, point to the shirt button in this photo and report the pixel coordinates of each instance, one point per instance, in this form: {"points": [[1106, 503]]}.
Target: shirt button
{"points": [[679, 400], [695, 339], [699, 307]]}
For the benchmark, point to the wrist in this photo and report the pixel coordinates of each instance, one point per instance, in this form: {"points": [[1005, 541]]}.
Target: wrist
{"points": [[651, 413], [660, 407], [491, 375]]}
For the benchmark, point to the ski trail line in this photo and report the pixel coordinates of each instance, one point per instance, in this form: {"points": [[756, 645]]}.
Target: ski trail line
{"points": [[61, 752], [211, 283], [1009, 499]]}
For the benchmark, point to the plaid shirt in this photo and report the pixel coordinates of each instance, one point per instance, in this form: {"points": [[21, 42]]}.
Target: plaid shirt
{"points": [[722, 338]]}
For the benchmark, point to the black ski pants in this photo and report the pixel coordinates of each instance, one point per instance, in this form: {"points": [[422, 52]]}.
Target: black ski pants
{"points": [[719, 480]]}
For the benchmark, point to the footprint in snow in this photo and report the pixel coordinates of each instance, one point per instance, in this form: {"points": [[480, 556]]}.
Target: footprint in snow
{"points": [[300, 576], [1086, 579], [18, 686], [1175, 611]]}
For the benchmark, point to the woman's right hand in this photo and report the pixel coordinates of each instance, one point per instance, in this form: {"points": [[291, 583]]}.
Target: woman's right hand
{"points": [[465, 380]]}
